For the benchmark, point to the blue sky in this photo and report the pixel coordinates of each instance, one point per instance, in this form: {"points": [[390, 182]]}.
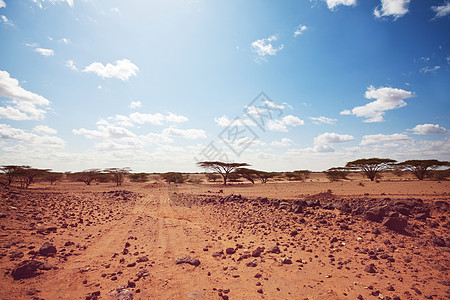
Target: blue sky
{"points": [[157, 85]]}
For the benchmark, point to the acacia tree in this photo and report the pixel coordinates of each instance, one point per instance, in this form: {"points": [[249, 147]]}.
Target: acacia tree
{"points": [[87, 176], [212, 177], [223, 168], [264, 176], [174, 177], [118, 174], [248, 174], [11, 172], [420, 167], [27, 175], [335, 174], [371, 166], [52, 177]]}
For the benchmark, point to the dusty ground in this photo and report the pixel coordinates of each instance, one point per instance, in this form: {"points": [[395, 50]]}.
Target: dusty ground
{"points": [[108, 237]]}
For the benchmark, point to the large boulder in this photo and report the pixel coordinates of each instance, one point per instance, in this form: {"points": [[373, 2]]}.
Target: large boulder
{"points": [[397, 224], [376, 213], [26, 269]]}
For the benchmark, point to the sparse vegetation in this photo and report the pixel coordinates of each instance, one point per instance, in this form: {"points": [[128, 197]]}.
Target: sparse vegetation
{"points": [[87, 176], [212, 177], [174, 177], [118, 174], [139, 177], [421, 168], [223, 168], [300, 175], [335, 174], [371, 167]]}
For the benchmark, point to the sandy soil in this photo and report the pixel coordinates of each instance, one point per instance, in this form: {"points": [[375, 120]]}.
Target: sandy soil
{"points": [[130, 238]]}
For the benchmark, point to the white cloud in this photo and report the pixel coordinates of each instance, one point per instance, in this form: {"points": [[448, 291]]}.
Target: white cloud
{"points": [[71, 65], [293, 121], [383, 138], [123, 69], [224, 121], [281, 125], [122, 120], [442, 10], [264, 47], [429, 129], [276, 125], [64, 40], [115, 9], [299, 30], [105, 131], [429, 69], [6, 21], [23, 103], [9, 133], [135, 104], [285, 142], [44, 129], [157, 119], [40, 2], [395, 8], [325, 120], [45, 52], [386, 99], [2, 4], [325, 141], [191, 134], [333, 3]]}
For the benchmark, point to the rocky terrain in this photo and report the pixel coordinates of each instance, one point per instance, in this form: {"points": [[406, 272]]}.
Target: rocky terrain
{"points": [[158, 241]]}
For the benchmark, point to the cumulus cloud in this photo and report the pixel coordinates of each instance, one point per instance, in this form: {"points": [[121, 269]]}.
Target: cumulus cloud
{"points": [[122, 120], [429, 129], [285, 142], [191, 134], [325, 141], [323, 120], [224, 121], [23, 104], [157, 119], [264, 47], [442, 10], [281, 125], [333, 3], [9, 133], [105, 131], [123, 69], [386, 99], [45, 52], [44, 129], [2, 4], [383, 138], [135, 104], [394, 8], [300, 29]]}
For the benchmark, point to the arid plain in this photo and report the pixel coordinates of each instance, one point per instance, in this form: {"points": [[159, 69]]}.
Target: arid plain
{"points": [[352, 239]]}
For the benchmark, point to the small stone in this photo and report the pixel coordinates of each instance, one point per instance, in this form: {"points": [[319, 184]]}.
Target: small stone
{"points": [[230, 250], [26, 269], [260, 291], [274, 249], [257, 252], [370, 268], [188, 260]]}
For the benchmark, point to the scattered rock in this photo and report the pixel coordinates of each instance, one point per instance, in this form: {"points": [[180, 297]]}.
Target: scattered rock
{"points": [[47, 249], [26, 269], [370, 268], [397, 224], [188, 260], [274, 249]]}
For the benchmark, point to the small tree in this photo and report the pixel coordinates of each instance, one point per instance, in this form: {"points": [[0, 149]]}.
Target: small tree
{"points": [[335, 174], [52, 177], [174, 177], [248, 174], [264, 176], [87, 176], [212, 176], [12, 172], [420, 168], [371, 167], [223, 168], [118, 174], [27, 175]]}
